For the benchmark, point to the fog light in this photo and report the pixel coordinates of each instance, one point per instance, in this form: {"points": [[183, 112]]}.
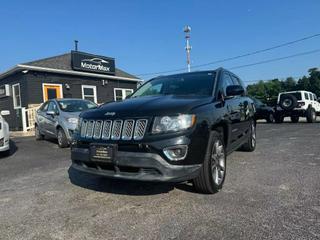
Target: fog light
{"points": [[176, 153], [1, 142]]}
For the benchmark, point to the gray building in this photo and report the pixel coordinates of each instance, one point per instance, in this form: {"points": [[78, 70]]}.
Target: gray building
{"points": [[71, 75]]}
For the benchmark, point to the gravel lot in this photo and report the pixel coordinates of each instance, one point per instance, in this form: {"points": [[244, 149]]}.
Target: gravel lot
{"points": [[273, 193]]}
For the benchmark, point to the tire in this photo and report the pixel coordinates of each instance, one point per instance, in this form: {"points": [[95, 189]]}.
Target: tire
{"points": [[279, 118], [38, 134], [288, 102], [311, 115], [62, 138], [270, 118], [213, 170], [294, 119], [250, 145]]}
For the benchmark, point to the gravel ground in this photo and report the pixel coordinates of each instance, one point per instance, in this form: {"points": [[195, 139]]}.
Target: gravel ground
{"points": [[272, 193]]}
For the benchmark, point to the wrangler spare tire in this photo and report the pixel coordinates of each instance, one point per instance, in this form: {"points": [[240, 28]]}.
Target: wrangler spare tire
{"points": [[288, 102]]}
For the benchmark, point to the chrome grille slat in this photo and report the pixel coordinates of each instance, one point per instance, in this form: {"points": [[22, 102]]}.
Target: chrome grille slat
{"points": [[127, 130], [116, 129], [97, 129], [106, 133], [90, 126], [83, 128], [140, 129]]}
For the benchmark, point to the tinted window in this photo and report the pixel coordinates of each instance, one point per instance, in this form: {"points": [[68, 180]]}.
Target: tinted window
{"points": [[44, 107], [75, 105], [53, 107], [310, 96], [306, 96], [199, 84]]}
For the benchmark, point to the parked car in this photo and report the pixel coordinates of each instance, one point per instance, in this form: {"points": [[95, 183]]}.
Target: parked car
{"points": [[263, 111], [173, 128], [4, 133], [58, 118], [297, 104]]}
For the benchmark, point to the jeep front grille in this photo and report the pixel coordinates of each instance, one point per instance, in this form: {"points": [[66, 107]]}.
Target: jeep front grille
{"points": [[114, 130]]}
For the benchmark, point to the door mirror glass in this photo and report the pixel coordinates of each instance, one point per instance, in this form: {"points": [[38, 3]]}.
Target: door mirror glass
{"points": [[5, 112], [234, 90]]}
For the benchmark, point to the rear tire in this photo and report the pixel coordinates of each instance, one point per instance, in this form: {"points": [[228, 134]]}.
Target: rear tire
{"points": [[213, 170], [294, 119], [311, 115], [38, 134], [279, 119], [62, 138], [250, 145], [270, 118]]}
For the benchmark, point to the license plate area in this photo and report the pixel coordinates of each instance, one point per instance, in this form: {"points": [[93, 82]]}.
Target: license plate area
{"points": [[103, 152]]}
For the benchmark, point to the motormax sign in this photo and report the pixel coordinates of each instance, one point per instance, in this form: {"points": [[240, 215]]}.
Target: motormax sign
{"points": [[92, 63]]}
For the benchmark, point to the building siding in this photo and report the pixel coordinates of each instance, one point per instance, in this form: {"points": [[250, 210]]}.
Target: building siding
{"points": [[32, 93]]}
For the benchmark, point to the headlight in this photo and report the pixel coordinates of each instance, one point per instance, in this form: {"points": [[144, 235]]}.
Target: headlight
{"points": [[73, 120], [173, 123]]}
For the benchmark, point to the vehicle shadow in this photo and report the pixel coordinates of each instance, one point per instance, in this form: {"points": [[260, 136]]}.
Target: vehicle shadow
{"points": [[122, 187], [12, 151]]}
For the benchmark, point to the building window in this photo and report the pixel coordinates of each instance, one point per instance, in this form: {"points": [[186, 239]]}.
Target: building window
{"points": [[121, 93], [16, 96], [89, 93]]}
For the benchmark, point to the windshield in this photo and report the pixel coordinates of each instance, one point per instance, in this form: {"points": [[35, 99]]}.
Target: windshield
{"points": [[75, 105], [199, 84]]}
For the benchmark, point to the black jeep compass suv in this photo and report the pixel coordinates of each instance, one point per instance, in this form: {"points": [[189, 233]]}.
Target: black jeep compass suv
{"points": [[173, 128]]}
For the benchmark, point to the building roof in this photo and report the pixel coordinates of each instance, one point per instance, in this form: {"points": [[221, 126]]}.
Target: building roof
{"points": [[62, 64]]}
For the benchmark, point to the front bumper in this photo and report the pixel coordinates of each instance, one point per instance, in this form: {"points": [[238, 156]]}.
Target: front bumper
{"points": [[134, 166]]}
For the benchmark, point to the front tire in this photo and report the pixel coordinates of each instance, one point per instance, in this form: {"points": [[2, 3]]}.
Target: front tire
{"points": [[213, 170], [38, 134], [294, 119], [62, 138], [251, 143], [279, 119], [270, 118]]}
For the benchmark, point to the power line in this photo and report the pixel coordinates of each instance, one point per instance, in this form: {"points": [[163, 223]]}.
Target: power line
{"points": [[276, 78], [276, 59], [238, 56]]}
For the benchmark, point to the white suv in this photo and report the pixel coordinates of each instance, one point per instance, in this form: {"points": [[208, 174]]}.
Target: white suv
{"points": [[297, 104]]}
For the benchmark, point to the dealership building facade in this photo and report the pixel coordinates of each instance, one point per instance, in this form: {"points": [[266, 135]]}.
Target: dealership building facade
{"points": [[72, 75]]}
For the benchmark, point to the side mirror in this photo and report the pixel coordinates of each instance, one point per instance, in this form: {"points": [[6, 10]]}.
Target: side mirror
{"points": [[5, 112], [51, 113], [234, 90]]}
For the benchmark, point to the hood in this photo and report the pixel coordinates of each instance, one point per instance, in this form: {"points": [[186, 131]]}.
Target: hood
{"points": [[148, 106], [70, 114]]}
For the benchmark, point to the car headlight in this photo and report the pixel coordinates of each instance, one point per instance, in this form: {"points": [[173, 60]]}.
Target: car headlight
{"points": [[73, 120], [173, 123]]}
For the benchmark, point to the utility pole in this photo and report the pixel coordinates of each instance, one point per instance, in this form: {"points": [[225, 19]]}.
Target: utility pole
{"points": [[187, 30]]}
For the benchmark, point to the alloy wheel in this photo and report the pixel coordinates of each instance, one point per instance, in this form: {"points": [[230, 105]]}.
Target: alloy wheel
{"points": [[218, 162], [253, 135]]}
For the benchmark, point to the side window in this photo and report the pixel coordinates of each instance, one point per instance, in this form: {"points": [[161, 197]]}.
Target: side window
{"points": [[311, 96], [235, 80], [306, 96], [44, 107], [53, 107], [226, 81]]}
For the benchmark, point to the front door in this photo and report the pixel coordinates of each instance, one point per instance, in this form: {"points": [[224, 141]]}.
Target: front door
{"points": [[51, 91]]}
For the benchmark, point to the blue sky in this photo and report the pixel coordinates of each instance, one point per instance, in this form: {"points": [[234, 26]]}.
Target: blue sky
{"points": [[146, 36]]}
